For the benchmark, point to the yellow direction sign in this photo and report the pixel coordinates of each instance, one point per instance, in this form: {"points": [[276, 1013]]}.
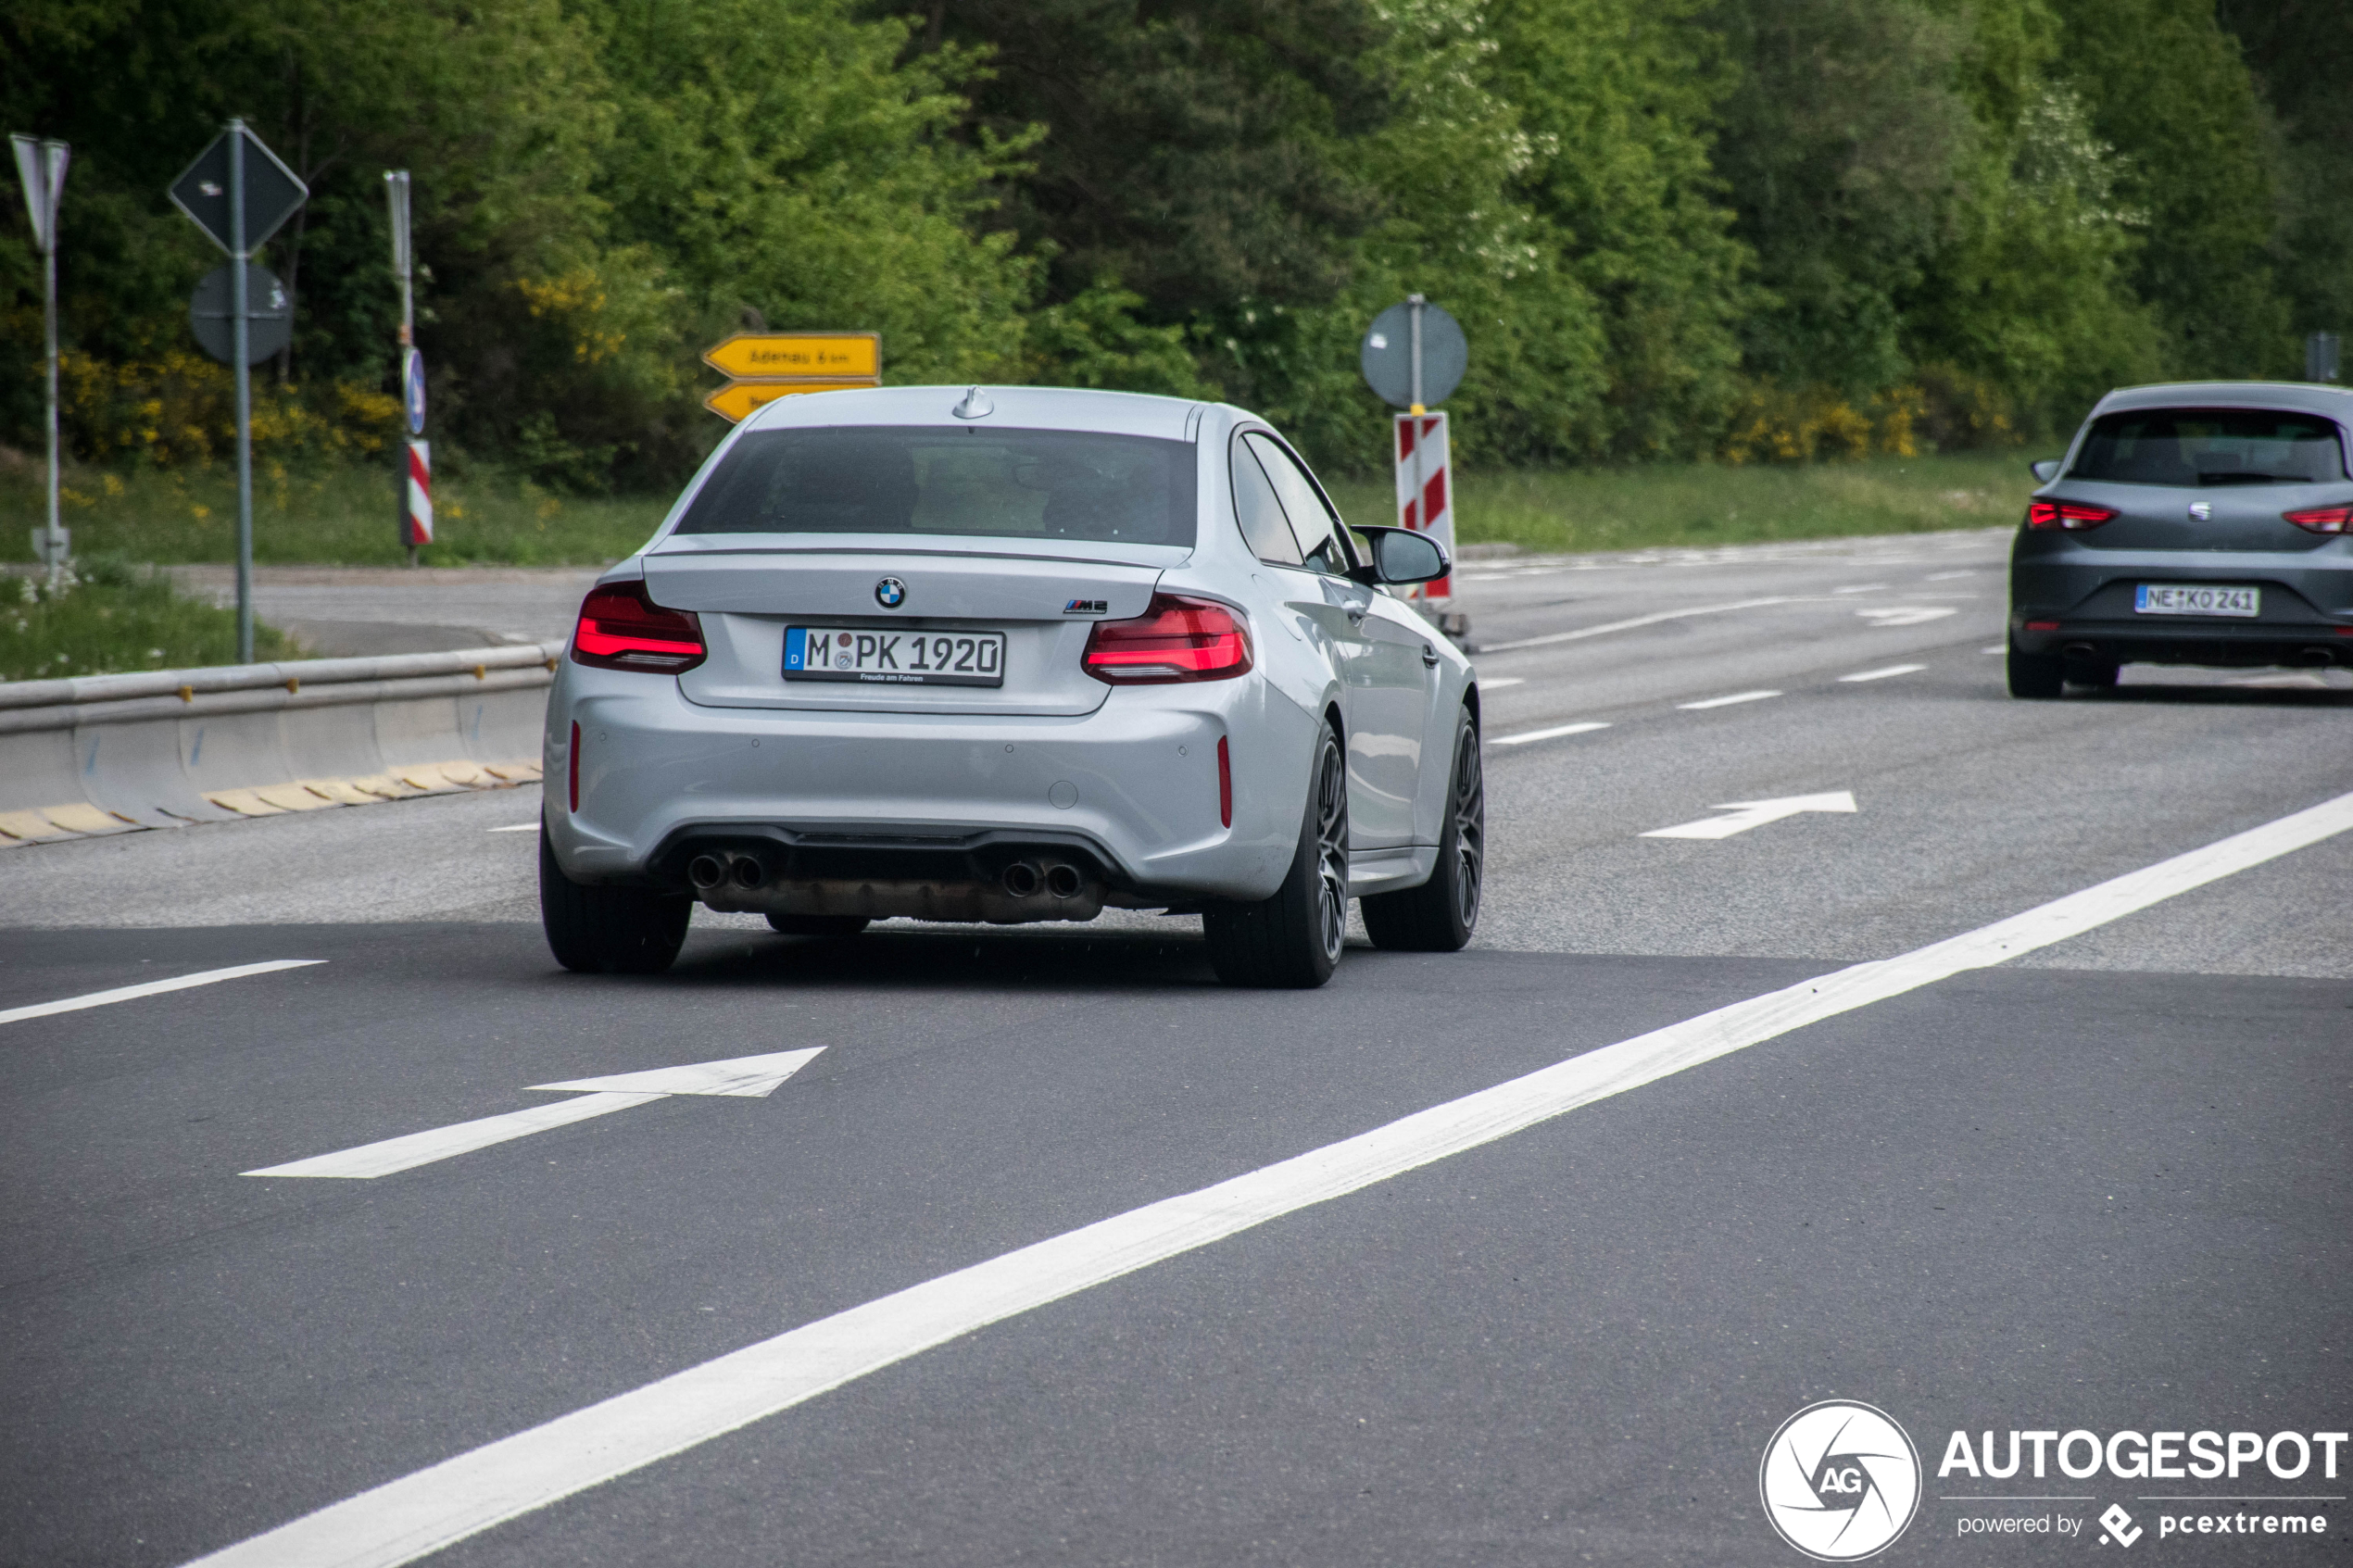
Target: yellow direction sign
{"points": [[829, 355], [739, 399]]}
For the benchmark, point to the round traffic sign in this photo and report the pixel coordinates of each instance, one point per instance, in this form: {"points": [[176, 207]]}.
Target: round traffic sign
{"points": [[268, 315], [1388, 355], [412, 390]]}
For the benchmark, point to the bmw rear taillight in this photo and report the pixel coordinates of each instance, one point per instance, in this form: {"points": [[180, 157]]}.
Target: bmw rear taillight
{"points": [[622, 628], [2071, 515], [2324, 520], [1174, 639]]}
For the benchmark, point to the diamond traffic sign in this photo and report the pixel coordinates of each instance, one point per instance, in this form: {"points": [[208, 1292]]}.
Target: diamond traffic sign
{"points": [[268, 315], [839, 356], [271, 190]]}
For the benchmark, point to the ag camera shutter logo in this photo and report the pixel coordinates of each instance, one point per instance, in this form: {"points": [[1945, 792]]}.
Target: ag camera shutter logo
{"points": [[1840, 1481]]}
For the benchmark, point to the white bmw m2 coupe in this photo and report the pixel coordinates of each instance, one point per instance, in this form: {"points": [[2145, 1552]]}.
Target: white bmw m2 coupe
{"points": [[1013, 654]]}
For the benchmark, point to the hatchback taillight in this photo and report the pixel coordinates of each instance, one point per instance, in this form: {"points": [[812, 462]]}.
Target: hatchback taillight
{"points": [[1174, 639], [2071, 515], [2324, 520], [622, 628]]}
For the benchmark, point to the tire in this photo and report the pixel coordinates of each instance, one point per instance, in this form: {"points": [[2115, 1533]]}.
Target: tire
{"points": [[1440, 915], [1293, 940], [817, 925], [608, 930], [2035, 677]]}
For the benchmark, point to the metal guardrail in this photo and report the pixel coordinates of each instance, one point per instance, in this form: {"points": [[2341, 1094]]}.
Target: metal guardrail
{"points": [[98, 699]]}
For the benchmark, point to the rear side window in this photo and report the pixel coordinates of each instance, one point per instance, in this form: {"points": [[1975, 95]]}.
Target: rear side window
{"points": [[915, 479], [2205, 447], [1261, 511]]}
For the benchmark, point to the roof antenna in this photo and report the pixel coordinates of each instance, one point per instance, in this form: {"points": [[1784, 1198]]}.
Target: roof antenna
{"points": [[974, 406]]}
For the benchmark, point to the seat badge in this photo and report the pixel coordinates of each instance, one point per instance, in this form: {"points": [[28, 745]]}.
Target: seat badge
{"points": [[1087, 607], [890, 593]]}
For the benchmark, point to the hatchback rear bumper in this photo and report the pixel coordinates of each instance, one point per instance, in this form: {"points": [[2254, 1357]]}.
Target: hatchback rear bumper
{"points": [[1129, 792], [2067, 597]]}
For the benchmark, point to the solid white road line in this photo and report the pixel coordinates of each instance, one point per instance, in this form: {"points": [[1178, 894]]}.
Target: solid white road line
{"points": [[152, 988], [517, 827], [1906, 615], [1945, 576], [1997, 648], [1726, 701], [1553, 734], [1747, 814], [1663, 615], [1882, 674], [747, 1077], [419, 1514], [1861, 588], [1502, 681]]}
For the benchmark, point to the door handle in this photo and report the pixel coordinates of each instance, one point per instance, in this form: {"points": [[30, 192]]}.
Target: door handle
{"points": [[1430, 655], [1355, 616]]}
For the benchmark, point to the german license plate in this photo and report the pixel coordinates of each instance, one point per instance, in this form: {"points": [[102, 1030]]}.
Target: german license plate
{"points": [[900, 659], [2196, 599]]}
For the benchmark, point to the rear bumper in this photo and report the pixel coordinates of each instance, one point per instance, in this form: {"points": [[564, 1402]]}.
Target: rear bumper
{"points": [[2070, 597], [1130, 790]]}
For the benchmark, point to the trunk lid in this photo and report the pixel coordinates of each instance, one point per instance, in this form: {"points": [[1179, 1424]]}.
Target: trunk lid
{"points": [[2219, 516], [749, 589]]}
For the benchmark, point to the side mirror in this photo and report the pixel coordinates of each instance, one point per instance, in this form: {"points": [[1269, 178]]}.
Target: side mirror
{"points": [[2046, 470], [1401, 556]]}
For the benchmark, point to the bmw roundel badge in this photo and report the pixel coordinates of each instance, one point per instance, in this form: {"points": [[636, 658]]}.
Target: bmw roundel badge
{"points": [[890, 593]]}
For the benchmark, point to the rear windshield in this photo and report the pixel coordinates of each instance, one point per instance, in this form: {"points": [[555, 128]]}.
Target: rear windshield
{"points": [[2195, 446], [901, 479]]}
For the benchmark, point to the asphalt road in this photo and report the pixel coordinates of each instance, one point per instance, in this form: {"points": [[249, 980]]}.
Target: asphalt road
{"points": [[2098, 1188]]}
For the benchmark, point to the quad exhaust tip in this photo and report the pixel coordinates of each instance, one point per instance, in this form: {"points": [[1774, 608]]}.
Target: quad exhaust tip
{"points": [[1021, 879], [1063, 881], [748, 873], [1058, 879], [706, 871]]}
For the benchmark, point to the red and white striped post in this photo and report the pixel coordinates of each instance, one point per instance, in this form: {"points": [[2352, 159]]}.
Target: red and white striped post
{"points": [[415, 503], [1424, 488]]}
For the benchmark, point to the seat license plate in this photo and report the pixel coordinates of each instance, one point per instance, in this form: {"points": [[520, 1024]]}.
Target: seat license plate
{"points": [[2196, 599], [900, 659]]}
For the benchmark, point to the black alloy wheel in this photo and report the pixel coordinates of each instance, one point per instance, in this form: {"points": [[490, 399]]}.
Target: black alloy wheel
{"points": [[1440, 915], [1294, 939], [599, 930]]}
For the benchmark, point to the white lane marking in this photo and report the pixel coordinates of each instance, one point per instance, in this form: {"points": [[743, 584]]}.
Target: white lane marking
{"points": [[1882, 674], [1500, 682], [747, 1076], [1945, 576], [1726, 701], [152, 988], [1553, 734], [1747, 814], [467, 1493], [1861, 588], [1661, 616], [1997, 648], [1906, 615], [518, 827]]}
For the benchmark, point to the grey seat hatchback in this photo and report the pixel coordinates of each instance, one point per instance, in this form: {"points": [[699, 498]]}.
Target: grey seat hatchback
{"points": [[2207, 522]]}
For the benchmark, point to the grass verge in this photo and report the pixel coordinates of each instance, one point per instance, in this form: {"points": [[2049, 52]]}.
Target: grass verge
{"points": [[115, 619], [344, 517], [1578, 509]]}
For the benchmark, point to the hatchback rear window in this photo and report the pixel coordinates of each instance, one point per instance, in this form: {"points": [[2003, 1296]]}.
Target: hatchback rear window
{"points": [[2200, 447], [914, 479]]}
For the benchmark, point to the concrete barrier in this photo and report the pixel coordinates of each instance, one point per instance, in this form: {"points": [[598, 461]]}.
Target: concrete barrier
{"points": [[107, 754]]}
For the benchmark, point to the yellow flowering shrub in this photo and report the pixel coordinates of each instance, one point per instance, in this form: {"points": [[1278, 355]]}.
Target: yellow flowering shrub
{"points": [[180, 408]]}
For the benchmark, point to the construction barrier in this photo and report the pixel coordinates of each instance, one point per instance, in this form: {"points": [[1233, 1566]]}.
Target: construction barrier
{"points": [[107, 754]]}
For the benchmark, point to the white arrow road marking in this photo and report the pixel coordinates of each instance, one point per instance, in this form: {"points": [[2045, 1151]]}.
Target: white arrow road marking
{"points": [[1905, 615], [744, 1076], [1726, 701], [153, 988], [1747, 814], [436, 1507], [1553, 734], [517, 827], [1882, 674]]}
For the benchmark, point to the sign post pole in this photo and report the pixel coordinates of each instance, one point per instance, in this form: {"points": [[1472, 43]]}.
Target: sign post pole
{"points": [[411, 468], [41, 165], [241, 330]]}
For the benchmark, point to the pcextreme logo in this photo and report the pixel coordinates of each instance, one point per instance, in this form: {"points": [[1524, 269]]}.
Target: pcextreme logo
{"points": [[1840, 1481]]}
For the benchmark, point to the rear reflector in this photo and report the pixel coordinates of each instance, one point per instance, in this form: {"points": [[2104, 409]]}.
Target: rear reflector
{"points": [[1174, 639], [572, 766], [2324, 520], [2071, 515], [2042, 625], [622, 628], [1224, 785]]}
